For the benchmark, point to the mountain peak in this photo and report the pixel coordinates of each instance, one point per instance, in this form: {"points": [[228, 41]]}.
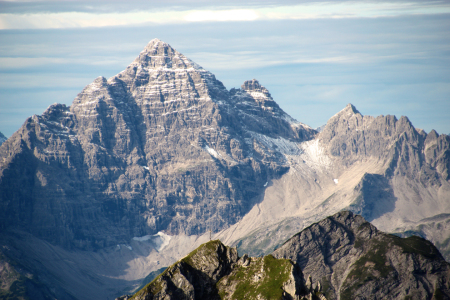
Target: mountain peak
{"points": [[158, 54], [158, 48], [349, 110], [251, 85], [156, 44]]}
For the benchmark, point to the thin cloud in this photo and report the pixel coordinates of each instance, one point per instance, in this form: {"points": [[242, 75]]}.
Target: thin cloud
{"points": [[222, 15], [174, 14]]}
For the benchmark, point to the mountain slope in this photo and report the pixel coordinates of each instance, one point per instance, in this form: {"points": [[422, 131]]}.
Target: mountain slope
{"points": [[160, 146], [214, 271], [144, 165], [344, 256], [351, 259], [382, 168]]}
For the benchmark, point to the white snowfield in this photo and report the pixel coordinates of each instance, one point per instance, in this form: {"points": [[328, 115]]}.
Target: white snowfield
{"points": [[160, 240]]}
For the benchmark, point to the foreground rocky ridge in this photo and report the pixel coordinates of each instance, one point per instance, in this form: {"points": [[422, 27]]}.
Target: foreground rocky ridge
{"points": [[214, 271], [352, 259], [344, 256]]}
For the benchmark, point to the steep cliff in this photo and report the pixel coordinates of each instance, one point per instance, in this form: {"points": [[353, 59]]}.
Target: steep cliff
{"points": [[214, 271], [344, 256], [160, 146], [352, 259], [136, 172]]}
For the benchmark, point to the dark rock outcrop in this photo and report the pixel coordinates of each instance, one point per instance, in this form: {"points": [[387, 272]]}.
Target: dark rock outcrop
{"points": [[214, 271], [344, 256], [352, 259], [2, 138]]}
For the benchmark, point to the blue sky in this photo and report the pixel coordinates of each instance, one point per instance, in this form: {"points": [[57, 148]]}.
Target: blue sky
{"points": [[313, 56]]}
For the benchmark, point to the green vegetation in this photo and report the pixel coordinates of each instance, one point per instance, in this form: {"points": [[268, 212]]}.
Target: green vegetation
{"points": [[439, 295], [359, 243], [374, 265], [416, 244], [17, 290], [326, 291], [371, 266], [17, 283], [149, 278], [155, 285], [263, 277]]}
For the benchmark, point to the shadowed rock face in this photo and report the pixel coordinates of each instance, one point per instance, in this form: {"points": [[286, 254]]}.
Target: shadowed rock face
{"points": [[343, 256], [2, 138], [351, 259], [160, 146]]}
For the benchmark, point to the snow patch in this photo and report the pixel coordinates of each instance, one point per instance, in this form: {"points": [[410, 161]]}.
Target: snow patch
{"points": [[160, 239], [314, 154], [259, 95], [164, 240], [212, 152], [279, 144], [147, 168]]}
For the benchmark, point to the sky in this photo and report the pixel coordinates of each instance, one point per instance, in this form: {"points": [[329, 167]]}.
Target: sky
{"points": [[314, 57]]}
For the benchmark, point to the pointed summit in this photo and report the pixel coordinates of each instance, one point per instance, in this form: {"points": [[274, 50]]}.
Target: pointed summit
{"points": [[158, 54], [158, 48], [251, 85], [348, 111], [350, 108]]}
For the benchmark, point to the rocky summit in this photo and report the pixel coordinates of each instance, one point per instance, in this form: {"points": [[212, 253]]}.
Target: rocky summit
{"points": [[214, 271], [160, 146], [352, 259], [149, 164], [344, 256]]}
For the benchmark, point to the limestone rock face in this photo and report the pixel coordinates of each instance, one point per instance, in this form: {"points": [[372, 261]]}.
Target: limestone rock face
{"points": [[350, 258], [164, 148], [409, 152], [163, 145]]}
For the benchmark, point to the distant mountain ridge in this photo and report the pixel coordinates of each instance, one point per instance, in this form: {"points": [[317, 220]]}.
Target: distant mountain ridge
{"points": [[144, 165]]}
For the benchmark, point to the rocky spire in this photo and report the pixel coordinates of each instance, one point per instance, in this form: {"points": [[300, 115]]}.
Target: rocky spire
{"points": [[158, 54]]}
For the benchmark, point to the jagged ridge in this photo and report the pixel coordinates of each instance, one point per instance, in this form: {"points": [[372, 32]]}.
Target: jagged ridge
{"points": [[160, 146]]}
